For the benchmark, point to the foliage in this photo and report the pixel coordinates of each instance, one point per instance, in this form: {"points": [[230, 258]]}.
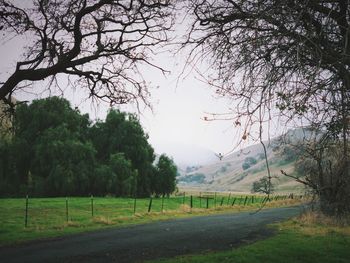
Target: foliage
{"points": [[223, 169], [165, 176], [55, 151], [245, 166], [197, 178], [116, 177], [263, 185], [248, 162], [122, 133], [322, 169], [190, 169]]}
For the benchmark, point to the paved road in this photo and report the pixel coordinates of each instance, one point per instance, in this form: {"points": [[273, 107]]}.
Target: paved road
{"points": [[155, 240]]}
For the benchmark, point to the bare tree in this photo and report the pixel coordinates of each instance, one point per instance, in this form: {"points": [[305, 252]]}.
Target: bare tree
{"points": [[100, 43], [292, 56]]}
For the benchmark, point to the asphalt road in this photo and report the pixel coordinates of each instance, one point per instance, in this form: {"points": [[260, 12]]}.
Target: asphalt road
{"points": [[154, 240]]}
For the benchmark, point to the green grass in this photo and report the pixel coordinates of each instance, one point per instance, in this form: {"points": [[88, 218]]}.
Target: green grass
{"points": [[295, 242], [47, 216]]}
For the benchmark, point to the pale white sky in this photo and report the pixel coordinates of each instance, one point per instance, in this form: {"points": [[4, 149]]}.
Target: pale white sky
{"points": [[179, 105]]}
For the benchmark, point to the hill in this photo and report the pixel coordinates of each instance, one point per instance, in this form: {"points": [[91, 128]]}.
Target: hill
{"points": [[186, 155], [237, 171]]}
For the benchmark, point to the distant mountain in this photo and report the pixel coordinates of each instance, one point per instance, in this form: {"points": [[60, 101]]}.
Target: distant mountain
{"points": [[237, 171], [187, 155]]}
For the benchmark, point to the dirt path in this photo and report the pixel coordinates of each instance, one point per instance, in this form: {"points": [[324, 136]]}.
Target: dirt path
{"points": [[155, 240]]}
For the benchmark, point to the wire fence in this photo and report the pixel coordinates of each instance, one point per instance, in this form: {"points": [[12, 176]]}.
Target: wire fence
{"points": [[80, 210], [40, 213]]}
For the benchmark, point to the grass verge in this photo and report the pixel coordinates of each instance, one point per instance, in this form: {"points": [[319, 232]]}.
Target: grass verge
{"points": [[308, 239], [47, 217]]}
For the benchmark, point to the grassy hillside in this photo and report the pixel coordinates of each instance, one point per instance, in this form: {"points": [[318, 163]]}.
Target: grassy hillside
{"points": [[235, 172]]}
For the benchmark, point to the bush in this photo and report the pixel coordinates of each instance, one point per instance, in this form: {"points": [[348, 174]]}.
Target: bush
{"points": [[248, 162], [245, 166], [262, 186]]}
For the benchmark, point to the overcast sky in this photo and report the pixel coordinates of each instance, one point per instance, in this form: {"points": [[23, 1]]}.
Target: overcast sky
{"points": [[179, 105]]}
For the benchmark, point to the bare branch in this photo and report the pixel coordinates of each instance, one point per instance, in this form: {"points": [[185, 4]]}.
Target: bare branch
{"points": [[101, 42]]}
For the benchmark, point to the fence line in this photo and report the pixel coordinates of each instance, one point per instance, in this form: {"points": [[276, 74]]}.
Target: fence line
{"points": [[174, 204]]}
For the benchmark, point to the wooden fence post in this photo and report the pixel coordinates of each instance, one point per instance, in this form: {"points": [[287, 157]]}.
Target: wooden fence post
{"points": [[207, 202], [245, 200], [222, 201], [191, 202], [200, 199], [233, 202], [150, 205]]}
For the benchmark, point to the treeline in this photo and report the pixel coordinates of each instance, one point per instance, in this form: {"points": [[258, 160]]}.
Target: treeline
{"points": [[54, 150]]}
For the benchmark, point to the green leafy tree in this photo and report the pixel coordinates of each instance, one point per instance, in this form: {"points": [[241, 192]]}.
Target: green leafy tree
{"points": [[125, 174], [165, 177], [122, 133], [32, 120], [249, 162], [56, 152], [263, 185], [64, 161], [9, 183], [48, 154], [117, 177], [245, 166]]}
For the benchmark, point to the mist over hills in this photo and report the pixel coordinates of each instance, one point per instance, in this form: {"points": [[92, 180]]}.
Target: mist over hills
{"points": [[237, 171], [185, 155]]}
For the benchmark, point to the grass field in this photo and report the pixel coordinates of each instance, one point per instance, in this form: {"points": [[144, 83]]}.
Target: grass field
{"points": [[47, 217], [298, 240]]}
